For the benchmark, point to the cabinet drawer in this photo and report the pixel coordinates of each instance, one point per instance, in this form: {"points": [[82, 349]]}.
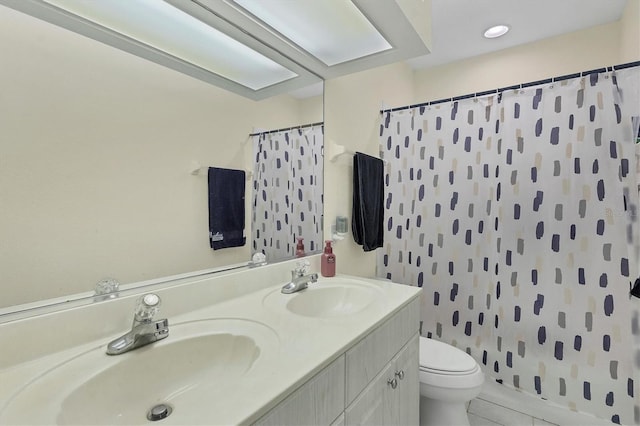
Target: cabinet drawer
{"points": [[319, 401], [365, 360]]}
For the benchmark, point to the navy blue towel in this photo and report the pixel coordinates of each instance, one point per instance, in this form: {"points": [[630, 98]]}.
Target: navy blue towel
{"points": [[226, 208], [368, 201]]}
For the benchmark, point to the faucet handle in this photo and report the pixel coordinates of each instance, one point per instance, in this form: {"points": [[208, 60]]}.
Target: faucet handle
{"points": [[147, 306], [302, 268], [105, 289]]}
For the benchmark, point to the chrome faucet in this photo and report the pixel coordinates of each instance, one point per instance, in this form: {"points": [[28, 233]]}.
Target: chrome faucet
{"points": [[299, 279], [144, 329]]}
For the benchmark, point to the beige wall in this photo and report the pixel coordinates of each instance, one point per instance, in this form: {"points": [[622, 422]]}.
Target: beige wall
{"points": [[352, 103], [351, 120], [310, 110], [630, 29], [95, 153]]}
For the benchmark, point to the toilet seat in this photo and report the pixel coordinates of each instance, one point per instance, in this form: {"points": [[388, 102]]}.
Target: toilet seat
{"points": [[448, 373], [445, 366], [439, 358]]}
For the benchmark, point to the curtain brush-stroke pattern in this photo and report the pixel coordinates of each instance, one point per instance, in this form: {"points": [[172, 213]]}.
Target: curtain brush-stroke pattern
{"points": [[512, 212], [287, 191]]}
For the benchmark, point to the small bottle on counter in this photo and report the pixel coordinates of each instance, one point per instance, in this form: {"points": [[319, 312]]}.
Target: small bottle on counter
{"points": [[300, 247], [328, 261]]}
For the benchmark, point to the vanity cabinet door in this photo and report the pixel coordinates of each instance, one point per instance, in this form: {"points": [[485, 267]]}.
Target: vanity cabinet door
{"points": [[374, 406], [407, 393], [320, 401], [369, 356], [393, 397]]}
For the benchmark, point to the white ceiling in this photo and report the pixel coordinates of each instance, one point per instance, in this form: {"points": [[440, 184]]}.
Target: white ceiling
{"points": [[458, 25]]}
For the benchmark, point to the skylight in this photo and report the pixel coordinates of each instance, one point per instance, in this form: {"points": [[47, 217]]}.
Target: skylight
{"points": [[255, 48], [176, 33], [334, 31]]}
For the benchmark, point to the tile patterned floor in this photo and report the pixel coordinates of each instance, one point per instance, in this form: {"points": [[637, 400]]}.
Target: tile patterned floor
{"points": [[485, 413], [499, 405]]}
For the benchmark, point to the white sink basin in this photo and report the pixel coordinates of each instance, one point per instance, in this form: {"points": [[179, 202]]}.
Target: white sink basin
{"points": [[328, 299], [189, 370]]}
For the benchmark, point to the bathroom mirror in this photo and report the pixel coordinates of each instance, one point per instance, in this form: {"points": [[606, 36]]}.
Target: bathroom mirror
{"points": [[103, 163]]}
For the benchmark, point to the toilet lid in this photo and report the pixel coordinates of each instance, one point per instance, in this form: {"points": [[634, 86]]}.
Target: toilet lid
{"points": [[438, 356]]}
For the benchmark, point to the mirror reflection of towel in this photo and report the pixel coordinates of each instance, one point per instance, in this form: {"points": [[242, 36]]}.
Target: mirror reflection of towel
{"points": [[368, 201], [226, 208]]}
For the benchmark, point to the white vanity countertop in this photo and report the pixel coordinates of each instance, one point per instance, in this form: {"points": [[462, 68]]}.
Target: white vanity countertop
{"points": [[295, 348]]}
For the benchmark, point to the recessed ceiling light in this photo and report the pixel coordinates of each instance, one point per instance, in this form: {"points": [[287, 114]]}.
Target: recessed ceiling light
{"points": [[496, 31]]}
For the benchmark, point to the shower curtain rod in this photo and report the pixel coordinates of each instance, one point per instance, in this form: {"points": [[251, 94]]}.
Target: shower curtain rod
{"points": [[303, 126], [517, 86]]}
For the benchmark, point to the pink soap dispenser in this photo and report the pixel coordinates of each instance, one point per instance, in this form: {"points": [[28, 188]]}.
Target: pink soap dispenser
{"points": [[300, 248], [328, 261]]}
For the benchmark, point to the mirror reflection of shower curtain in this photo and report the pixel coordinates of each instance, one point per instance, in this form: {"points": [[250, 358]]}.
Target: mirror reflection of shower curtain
{"points": [[287, 191], [517, 214]]}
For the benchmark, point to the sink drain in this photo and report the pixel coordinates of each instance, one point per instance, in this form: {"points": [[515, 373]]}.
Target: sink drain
{"points": [[159, 412]]}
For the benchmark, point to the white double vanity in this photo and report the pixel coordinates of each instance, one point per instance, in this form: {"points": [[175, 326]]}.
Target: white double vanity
{"points": [[343, 351]]}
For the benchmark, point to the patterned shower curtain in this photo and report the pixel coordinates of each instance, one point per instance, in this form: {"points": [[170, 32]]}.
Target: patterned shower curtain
{"points": [[287, 191], [514, 213]]}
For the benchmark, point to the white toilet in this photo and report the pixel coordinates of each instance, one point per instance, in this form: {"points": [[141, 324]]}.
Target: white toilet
{"points": [[449, 378]]}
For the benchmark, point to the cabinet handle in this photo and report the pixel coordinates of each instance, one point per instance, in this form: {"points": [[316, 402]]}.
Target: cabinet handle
{"points": [[393, 382], [400, 374]]}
